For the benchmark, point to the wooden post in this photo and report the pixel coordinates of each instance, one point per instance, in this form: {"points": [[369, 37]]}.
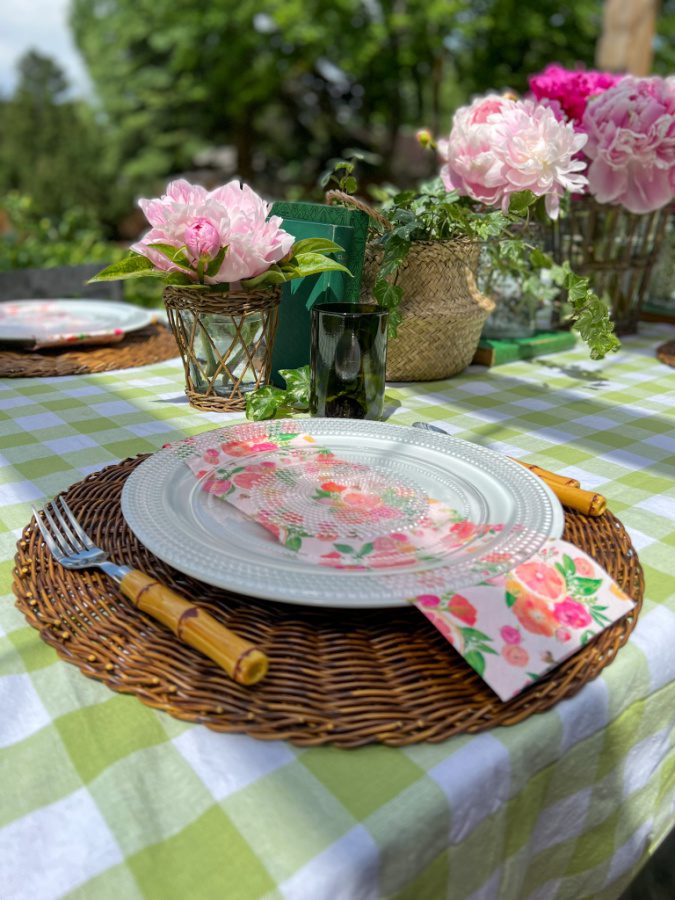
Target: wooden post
{"points": [[628, 28]]}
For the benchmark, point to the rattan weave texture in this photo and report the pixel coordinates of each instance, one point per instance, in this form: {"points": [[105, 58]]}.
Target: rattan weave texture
{"points": [[666, 353], [336, 677], [139, 348]]}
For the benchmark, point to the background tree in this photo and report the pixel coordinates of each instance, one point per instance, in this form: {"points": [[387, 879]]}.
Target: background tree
{"points": [[50, 144]]}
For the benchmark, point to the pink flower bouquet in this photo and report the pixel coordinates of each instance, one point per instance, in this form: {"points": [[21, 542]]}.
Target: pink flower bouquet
{"points": [[219, 240], [630, 127], [499, 147]]}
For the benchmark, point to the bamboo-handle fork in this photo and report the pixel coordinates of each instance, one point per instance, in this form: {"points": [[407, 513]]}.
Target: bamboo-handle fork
{"points": [[72, 547]]}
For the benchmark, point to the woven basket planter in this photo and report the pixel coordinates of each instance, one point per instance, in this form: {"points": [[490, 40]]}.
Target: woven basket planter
{"points": [[443, 312], [616, 249], [225, 342]]}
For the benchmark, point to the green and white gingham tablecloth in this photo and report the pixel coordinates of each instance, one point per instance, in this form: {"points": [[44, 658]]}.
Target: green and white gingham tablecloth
{"points": [[101, 797]]}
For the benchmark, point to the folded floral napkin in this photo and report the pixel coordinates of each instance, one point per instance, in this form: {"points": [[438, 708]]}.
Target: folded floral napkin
{"points": [[512, 628]]}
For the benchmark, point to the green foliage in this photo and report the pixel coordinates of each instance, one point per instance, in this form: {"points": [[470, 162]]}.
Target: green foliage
{"points": [[33, 240], [271, 402], [308, 257], [434, 214], [51, 146]]}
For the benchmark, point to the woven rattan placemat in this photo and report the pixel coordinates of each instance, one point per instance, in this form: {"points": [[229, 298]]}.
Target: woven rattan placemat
{"points": [[336, 677], [139, 348], [666, 353]]}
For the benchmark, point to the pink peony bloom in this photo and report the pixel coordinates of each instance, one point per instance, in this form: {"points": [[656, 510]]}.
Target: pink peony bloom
{"points": [[499, 146], [572, 613], [510, 635], [202, 239], [234, 212], [631, 144], [515, 655], [570, 89]]}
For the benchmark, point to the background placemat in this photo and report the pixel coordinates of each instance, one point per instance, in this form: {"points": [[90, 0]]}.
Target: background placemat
{"points": [[335, 676], [666, 353], [139, 348]]}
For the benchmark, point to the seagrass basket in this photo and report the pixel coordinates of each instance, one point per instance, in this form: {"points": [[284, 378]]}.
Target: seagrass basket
{"points": [[442, 309], [616, 249], [225, 342]]}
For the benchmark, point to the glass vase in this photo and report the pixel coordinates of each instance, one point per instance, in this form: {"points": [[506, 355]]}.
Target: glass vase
{"points": [[616, 249], [225, 341]]}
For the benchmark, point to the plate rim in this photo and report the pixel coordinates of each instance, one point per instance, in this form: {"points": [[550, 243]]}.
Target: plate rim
{"points": [[147, 315], [300, 596]]}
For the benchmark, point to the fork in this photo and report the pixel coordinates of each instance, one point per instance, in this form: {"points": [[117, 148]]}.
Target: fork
{"points": [[72, 548]]}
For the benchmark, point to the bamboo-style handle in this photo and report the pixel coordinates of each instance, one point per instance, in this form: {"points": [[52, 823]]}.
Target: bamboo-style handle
{"points": [[585, 502], [241, 660], [548, 476]]}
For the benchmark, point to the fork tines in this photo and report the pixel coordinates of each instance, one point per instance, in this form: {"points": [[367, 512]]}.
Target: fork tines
{"points": [[66, 540]]}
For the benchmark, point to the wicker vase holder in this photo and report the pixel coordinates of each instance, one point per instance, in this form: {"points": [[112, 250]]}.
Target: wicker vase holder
{"points": [[225, 342], [443, 312], [616, 249]]}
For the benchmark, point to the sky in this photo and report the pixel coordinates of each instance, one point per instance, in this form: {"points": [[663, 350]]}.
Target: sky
{"points": [[40, 25]]}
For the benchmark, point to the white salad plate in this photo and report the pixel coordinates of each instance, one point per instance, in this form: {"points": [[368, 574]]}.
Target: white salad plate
{"points": [[206, 537], [42, 321]]}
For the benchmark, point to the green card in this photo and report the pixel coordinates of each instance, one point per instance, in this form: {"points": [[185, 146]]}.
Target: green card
{"points": [[349, 229]]}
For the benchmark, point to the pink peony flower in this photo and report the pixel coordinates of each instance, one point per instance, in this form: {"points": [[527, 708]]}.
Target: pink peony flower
{"points": [[584, 567], [499, 146], [571, 613], [570, 89], [202, 239], [515, 655], [234, 212], [428, 600], [510, 635], [631, 142]]}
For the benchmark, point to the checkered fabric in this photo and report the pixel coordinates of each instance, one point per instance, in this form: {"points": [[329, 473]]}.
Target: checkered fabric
{"points": [[101, 797]]}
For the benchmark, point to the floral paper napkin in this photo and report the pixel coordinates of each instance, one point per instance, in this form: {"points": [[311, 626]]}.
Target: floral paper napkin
{"points": [[511, 629]]}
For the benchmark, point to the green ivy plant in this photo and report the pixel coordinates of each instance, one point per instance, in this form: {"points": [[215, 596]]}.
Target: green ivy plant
{"points": [[271, 402], [431, 213]]}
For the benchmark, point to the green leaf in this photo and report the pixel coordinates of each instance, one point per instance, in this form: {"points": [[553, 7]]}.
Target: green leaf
{"points": [[273, 275], [474, 634], [585, 637], [365, 550], [264, 403], [180, 278], [569, 566], [350, 185], [344, 548], [476, 660], [313, 263], [510, 599], [316, 245], [586, 587], [173, 254], [521, 201], [387, 294], [540, 260], [298, 383], [134, 266], [294, 542], [214, 266]]}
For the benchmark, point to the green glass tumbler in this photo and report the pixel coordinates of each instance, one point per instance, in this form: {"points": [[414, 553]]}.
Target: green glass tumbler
{"points": [[348, 360]]}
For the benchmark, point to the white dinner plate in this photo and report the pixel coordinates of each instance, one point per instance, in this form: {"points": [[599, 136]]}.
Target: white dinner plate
{"points": [[207, 538], [42, 321]]}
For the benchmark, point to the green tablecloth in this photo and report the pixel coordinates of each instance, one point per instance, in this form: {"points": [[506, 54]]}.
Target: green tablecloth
{"points": [[102, 797]]}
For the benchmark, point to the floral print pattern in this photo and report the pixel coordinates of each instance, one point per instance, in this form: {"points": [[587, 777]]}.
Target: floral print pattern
{"points": [[511, 628]]}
